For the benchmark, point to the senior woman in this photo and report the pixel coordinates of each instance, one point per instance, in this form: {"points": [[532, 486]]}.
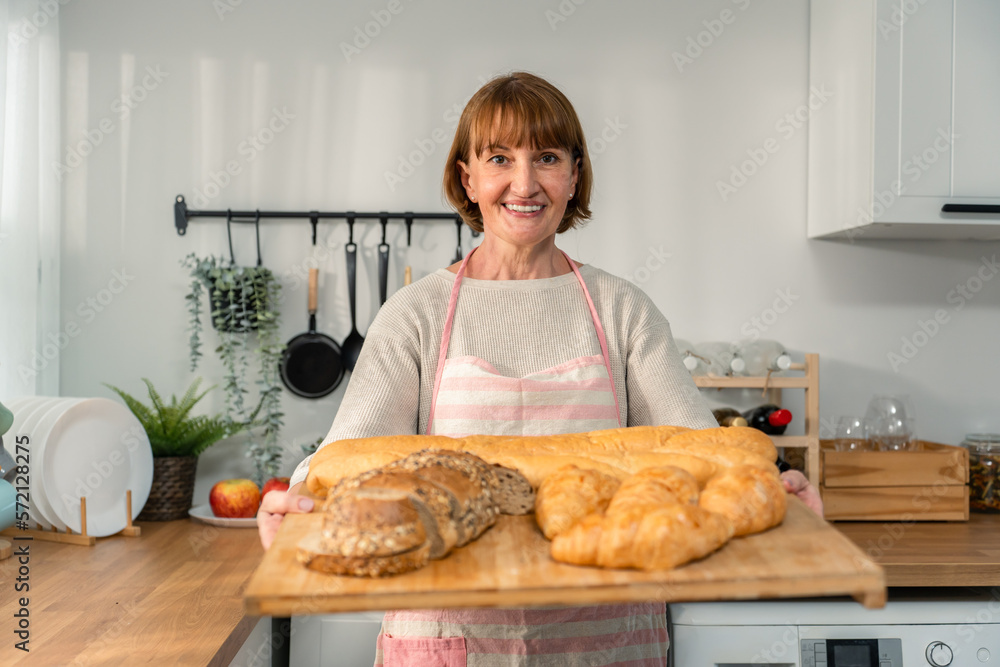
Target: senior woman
{"points": [[517, 338]]}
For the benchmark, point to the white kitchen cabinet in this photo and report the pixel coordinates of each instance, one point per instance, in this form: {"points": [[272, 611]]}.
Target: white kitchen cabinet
{"points": [[912, 123], [335, 640]]}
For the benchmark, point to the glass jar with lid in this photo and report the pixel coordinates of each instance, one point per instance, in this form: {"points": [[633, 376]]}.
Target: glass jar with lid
{"points": [[984, 471]]}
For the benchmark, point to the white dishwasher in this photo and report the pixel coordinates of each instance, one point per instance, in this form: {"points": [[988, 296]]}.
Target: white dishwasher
{"points": [[917, 628]]}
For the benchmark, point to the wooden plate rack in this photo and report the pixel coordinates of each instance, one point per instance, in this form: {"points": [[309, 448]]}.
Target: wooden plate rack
{"points": [[81, 538], [772, 386]]}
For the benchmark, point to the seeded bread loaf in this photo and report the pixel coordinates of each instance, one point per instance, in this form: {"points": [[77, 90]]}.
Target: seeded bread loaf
{"points": [[395, 518]]}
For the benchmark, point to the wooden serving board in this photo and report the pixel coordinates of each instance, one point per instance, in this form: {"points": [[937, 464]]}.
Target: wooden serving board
{"points": [[510, 566]]}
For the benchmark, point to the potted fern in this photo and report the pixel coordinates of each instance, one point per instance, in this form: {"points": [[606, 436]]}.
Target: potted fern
{"points": [[177, 439]]}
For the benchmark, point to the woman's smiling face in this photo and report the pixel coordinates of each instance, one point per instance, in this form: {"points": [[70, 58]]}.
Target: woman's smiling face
{"points": [[522, 192]]}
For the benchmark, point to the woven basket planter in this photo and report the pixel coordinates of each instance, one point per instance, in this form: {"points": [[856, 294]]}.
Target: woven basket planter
{"points": [[173, 488]]}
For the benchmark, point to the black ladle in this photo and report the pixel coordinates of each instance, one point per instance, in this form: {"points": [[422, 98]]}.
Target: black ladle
{"points": [[458, 249], [383, 263], [351, 348]]}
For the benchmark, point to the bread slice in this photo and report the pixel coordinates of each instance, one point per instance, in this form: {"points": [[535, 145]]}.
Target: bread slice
{"points": [[369, 523], [436, 505], [465, 476], [314, 554]]}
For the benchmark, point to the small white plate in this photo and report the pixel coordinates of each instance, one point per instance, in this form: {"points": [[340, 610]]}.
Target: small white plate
{"points": [[204, 514]]}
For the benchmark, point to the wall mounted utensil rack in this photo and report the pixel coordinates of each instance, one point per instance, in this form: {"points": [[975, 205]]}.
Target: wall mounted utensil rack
{"points": [[183, 215]]}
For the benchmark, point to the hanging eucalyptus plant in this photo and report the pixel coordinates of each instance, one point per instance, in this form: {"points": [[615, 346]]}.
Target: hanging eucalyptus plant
{"points": [[244, 312]]}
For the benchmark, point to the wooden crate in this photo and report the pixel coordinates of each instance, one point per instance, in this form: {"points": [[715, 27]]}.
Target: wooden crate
{"points": [[928, 484]]}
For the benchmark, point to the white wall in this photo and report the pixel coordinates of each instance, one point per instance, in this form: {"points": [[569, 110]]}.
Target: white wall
{"points": [[680, 132]]}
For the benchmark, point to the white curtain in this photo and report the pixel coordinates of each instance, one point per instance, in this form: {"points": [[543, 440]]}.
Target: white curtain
{"points": [[30, 337]]}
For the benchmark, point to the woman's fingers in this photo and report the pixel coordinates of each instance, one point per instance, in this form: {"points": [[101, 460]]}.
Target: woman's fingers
{"points": [[797, 483], [273, 508]]}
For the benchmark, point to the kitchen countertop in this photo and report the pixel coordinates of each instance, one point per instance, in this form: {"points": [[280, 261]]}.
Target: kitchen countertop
{"points": [[932, 553], [176, 591], [173, 594]]}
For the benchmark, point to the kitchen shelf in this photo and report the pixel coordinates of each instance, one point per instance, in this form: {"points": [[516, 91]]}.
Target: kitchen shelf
{"points": [[809, 381]]}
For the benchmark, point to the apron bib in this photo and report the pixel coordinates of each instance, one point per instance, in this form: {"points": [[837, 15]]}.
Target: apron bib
{"points": [[471, 397]]}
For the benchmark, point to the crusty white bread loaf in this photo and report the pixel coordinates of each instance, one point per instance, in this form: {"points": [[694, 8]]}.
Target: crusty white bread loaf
{"points": [[752, 499], [616, 452], [568, 495], [740, 437]]}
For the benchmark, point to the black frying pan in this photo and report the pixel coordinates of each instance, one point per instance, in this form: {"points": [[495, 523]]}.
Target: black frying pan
{"points": [[312, 365]]}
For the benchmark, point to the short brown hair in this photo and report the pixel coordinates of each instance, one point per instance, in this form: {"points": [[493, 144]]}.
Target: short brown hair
{"points": [[531, 112]]}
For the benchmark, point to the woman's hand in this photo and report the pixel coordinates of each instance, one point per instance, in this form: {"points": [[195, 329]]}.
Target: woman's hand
{"points": [[273, 509], [795, 482]]}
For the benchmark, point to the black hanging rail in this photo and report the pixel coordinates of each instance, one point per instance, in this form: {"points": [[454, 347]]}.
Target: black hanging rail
{"points": [[182, 215]]}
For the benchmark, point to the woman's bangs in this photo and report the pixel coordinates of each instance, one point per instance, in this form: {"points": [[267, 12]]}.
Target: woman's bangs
{"points": [[519, 123]]}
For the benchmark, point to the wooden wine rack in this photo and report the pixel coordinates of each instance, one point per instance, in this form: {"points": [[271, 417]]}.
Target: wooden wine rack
{"points": [[809, 381]]}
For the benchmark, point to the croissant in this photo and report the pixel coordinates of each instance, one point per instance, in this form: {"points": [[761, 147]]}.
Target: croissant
{"points": [[752, 499], [654, 487], [570, 494], [648, 539]]}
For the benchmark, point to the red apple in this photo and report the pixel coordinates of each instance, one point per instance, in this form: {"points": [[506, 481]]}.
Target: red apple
{"points": [[234, 499], [275, 484]]}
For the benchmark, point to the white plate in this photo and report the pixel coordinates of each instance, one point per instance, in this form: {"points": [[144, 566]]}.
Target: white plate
{"points": [[204, 514], [96, 449], [38, 425], [30, 411]]}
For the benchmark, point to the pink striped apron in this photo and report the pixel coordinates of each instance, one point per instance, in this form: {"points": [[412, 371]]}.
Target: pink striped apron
{"points": [[471, 396]]}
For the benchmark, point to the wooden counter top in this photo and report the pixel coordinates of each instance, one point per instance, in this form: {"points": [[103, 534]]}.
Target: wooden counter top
{"points": [[932, 553], [173, 594]]}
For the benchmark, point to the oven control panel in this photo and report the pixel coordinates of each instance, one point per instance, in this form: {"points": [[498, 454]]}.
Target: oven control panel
{"points": [[852, 653]]}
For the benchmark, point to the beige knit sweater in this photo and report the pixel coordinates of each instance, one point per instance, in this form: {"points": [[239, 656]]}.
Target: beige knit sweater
{"points": [[519, 326]]}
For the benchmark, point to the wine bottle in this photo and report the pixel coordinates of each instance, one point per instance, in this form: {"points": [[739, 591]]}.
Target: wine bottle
{"points": [[765, 356], [768, 418], [728, 417], [723, 359]]}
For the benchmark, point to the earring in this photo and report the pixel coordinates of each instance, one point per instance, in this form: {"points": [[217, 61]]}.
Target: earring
{"points": [[473, 197], [571, 195]]}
